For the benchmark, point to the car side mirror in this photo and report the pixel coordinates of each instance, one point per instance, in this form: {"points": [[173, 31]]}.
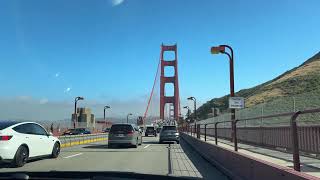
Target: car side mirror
{"points": [[50, 134]]}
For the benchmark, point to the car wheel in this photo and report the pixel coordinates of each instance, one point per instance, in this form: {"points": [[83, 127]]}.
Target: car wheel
{"points": [[136, 145], [56, 150], [178, 142], [21, 157], [146, 135]]}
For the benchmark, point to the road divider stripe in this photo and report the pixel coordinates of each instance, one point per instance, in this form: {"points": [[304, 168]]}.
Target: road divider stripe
{"points": [[72, 156], [147, 146]]}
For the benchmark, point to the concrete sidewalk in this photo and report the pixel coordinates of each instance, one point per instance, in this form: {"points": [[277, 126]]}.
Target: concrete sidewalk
{"points": [[308, 165]]}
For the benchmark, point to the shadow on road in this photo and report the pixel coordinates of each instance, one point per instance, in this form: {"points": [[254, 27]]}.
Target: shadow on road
{"points": [[150, 142], [9, 165], [206, 170], [107, 151], [105, 146], [5, 165]]}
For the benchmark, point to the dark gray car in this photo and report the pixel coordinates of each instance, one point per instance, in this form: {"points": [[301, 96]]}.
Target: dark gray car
{"points": [[124, 134], [169, 133]]}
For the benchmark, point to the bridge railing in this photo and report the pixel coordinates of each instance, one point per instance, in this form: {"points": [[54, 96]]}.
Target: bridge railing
{"points": [[290, 137]]}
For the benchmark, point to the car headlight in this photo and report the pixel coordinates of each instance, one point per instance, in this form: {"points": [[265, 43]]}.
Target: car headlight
{"points": [[177, 134]]}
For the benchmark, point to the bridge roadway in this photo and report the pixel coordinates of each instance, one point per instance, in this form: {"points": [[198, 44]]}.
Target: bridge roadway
{"points": [[149, 158]]}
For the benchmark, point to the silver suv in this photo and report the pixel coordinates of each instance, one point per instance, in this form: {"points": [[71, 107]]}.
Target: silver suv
{"points": [[169, 133], [124, 134]]}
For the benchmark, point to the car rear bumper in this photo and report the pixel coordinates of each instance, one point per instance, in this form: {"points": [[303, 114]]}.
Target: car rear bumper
{"points": [[169, 138], [153, 134], [131, 141], [7, 153]]}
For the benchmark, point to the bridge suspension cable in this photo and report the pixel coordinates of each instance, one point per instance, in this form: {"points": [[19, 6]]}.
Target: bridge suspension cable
{"points": [[156, 77]]}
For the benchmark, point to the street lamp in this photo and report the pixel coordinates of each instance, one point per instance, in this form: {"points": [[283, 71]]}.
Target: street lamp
{"points": [[195, 114], [128, 117], [194, 106], [75, 117], [222, 49], [104, 114], [188, 112]]}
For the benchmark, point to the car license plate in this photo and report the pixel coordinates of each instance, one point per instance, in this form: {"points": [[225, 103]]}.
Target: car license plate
{"points": [[120, 135]]}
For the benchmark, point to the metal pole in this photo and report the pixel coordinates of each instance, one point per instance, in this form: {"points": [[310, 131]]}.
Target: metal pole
{"points": [[128, 118], [104, 116], [235, 136], [205, 132], [216, 132], [233, 116], [198, 131], [294, 104], [195, 118], [295, 142], [262, 112], [191, 130], [195, 108], [75, 113]]}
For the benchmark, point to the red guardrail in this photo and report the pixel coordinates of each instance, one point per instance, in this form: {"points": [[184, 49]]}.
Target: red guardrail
{"points": [[293, 138]]}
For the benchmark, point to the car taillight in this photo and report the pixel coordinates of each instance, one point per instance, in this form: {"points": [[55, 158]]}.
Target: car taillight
{"points": [[130, 132], [5, 138]]}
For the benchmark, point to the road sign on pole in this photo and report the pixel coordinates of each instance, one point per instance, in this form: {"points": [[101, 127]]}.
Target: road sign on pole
{"points": [[236, 102]]}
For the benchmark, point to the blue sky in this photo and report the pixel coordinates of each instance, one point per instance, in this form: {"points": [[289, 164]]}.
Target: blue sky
{"points": [[107, 50]]}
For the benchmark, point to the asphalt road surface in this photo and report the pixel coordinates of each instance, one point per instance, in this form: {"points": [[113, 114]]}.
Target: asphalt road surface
{"points": [[149, 158]]}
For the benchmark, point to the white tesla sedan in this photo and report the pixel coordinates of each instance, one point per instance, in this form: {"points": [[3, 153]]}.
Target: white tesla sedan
{"points": [[20, 141]]}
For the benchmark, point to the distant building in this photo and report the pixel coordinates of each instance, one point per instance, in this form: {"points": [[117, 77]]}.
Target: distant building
{"points": [[140, 121], [85, 118]]}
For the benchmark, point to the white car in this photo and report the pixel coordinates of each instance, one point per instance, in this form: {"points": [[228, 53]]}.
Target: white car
{"points": [[20, 141]]}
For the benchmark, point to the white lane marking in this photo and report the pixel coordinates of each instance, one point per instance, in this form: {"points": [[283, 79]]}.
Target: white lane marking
{"points": [[147, 146], [72, 155]]}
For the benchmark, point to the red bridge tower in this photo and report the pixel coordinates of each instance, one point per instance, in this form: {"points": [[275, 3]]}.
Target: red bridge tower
{"points": [[175, 100]]}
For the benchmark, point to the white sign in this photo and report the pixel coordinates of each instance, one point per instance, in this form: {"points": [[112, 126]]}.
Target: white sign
{"points": [[236, 102]]}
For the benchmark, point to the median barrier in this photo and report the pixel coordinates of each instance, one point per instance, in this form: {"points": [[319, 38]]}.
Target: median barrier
{"points": [[73, 140]]}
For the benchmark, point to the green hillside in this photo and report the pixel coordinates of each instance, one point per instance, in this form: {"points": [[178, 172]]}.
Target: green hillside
{"points": [[299, 81]]}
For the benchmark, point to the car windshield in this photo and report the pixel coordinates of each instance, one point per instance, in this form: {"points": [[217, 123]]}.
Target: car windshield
{"points": [[176, 88], [169, 128], [121, 128]]}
